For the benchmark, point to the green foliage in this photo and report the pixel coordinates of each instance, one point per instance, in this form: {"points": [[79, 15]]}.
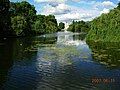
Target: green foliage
{"points": [[19, 11], [61, 25], [39, 27], [45, 24], [51, 27], [34, 24], [23, 8], [51, 18], [18, 25], [106, 53], [79, 26], [106, 27], [5, 24]]}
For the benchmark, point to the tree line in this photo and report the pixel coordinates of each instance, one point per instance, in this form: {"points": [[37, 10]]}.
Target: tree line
{"points": [[106, 27], [79, 26], [5, 21], [20, 19], [103, 28]]}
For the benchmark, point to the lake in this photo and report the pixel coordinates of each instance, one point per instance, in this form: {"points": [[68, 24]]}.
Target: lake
{"points": [[60, 61]]}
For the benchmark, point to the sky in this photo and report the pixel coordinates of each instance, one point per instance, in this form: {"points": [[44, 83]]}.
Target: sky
{"points": [[69, 10]]}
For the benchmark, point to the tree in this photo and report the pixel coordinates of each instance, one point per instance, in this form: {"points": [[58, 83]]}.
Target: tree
{"points": [[61, 25], [106, 27], [51, 18], [79, 26], [39, 27], [25, 10], [50, 27], [45, 24], [5, 24], [19, 25]]}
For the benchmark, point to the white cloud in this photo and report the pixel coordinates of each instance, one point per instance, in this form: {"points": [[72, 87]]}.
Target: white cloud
{"points": [[105, 4], [105, 11], [108, 3], [77, 16], [59, 9], [50, 1], [68, 13]]}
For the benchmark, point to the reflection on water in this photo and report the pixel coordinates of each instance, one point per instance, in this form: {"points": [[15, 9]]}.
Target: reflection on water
{"points": [[106, 53], [62, 61]]}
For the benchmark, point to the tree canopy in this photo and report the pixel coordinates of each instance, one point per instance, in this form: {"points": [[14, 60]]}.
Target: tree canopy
{"points": [[61, 25], [106, 27], [79, 26], [25, 21], [5, 18]]}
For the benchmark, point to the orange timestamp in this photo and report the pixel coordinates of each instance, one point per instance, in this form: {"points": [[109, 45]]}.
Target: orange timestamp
{"points": [[98, 80]]}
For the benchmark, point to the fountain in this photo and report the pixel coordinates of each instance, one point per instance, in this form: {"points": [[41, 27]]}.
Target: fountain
{"points": [[66, 27]]}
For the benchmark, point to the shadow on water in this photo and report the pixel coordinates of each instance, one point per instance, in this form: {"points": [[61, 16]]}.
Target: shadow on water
{"points": [[6, 58]]}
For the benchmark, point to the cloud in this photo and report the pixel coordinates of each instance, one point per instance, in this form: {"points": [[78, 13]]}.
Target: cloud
{"points": [[104, 4], [51, 2], [67, 13], [56, 10], [105, 11], [71, 16], [47, 1], [64, 12], [77, 16], [108, 3]]}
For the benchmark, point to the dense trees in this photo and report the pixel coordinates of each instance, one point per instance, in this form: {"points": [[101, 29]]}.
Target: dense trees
{"points": [[79, 26], [20, 19], [61, 25], [45, 24], [106, 27], [19, 25], [26, 22], [23, 16], [5, 18]]}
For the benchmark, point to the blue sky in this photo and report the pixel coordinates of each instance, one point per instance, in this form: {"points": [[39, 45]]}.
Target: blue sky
{"points": [[68, 10]]}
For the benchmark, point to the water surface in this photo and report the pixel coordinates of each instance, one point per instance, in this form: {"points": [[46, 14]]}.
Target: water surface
{"points": [[61, 61]]}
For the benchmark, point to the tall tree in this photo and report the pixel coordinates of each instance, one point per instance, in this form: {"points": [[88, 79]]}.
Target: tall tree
{"points": [[25, 10], [61, 25], [19, 25], [5, 18]]}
